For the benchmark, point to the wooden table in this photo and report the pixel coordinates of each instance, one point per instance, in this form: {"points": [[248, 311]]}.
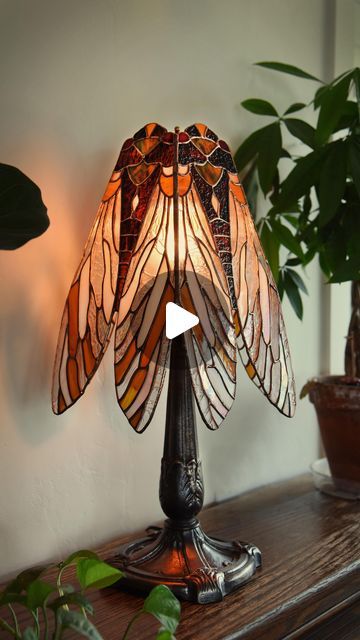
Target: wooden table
{"points": [[308, 588]]}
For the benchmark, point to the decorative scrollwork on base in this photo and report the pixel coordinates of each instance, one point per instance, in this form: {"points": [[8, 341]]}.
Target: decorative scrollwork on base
{"points": [[208, 585]]}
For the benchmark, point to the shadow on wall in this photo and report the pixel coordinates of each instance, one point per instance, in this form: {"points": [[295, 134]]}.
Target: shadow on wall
{"points": [[36, 282]]}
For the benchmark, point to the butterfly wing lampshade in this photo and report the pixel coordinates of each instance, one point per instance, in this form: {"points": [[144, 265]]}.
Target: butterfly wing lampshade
{"points": [[174, 227]]}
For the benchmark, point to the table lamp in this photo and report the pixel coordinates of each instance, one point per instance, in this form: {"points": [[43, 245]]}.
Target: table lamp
{"points": [[173, 267]]}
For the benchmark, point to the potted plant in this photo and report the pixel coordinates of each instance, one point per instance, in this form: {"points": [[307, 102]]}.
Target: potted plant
{"points": [[313, 211]]}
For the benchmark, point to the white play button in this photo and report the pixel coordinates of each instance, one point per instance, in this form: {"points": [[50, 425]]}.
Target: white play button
{"points": [[178, 320]]}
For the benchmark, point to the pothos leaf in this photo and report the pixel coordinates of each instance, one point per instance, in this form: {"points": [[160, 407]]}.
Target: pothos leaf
{"points": [[37, 593], [93, 573], [77, 622], [77, 555], [162, 604]]}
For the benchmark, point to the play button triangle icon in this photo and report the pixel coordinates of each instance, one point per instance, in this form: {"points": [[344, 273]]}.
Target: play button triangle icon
{"points": [[178, 320]]}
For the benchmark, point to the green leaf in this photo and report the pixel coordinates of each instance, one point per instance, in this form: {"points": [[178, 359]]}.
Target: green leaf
{"points": [[77, 599], [293, 294], [297, 279], [356, 78], [93, 573], [296, 106], [24, 579], [271, 246], [354, 160], [23, 215], [332, 106], [285, 154], [30, 634], [261, 107], [346, 272], [38, 591], [162, 604], [348, 117], [12, 598], [269, 156], [299, 181], [163, 634], [301, 130], [78, 555], [77, 622], [287, 68], [321, 94], [332, 180], [251, 147], [286, 238]]}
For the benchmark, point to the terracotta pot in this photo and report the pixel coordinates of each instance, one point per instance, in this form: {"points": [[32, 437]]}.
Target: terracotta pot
{"points": [[337, 404]]}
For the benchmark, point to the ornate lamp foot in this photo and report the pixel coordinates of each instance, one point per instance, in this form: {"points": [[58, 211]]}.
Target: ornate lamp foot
{"points": [[193, 565]]}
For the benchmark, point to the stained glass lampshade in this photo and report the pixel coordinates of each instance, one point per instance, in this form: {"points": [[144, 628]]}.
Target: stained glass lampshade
{"points": [[174, 226]]}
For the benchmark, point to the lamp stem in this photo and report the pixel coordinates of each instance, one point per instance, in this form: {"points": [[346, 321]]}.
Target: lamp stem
{"points": [[181, 484]]}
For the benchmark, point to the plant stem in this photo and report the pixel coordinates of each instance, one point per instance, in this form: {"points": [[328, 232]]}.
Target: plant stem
{"points": [[15, 620], [4, 625], [36, 619], [59, 587], [128, 628], [46, 623]]}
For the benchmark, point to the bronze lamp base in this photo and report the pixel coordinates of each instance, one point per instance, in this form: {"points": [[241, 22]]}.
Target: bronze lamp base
{"points": [[180, 555], [193, 565]]}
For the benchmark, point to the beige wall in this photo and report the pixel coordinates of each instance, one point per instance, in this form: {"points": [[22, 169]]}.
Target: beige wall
{"points": [[78, 77]]}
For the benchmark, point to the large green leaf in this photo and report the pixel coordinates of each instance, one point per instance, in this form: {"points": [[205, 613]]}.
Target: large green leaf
{"points": [[287, 68], [301, 130], [261, 107], [331, 109], [293, 294], [286, 238], [77, 622], [354, 160], [356, 78], [37, 592], [23, 215], [271, 245], [347, 272], [297, 279], [269, 155], [93, 573], [163, 605], [332, 180], [251, 147], [300, 180], [349, 116]]}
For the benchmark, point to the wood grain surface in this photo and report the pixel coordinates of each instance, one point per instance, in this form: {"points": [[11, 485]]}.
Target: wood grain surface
{"points": [[309, 586]]}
